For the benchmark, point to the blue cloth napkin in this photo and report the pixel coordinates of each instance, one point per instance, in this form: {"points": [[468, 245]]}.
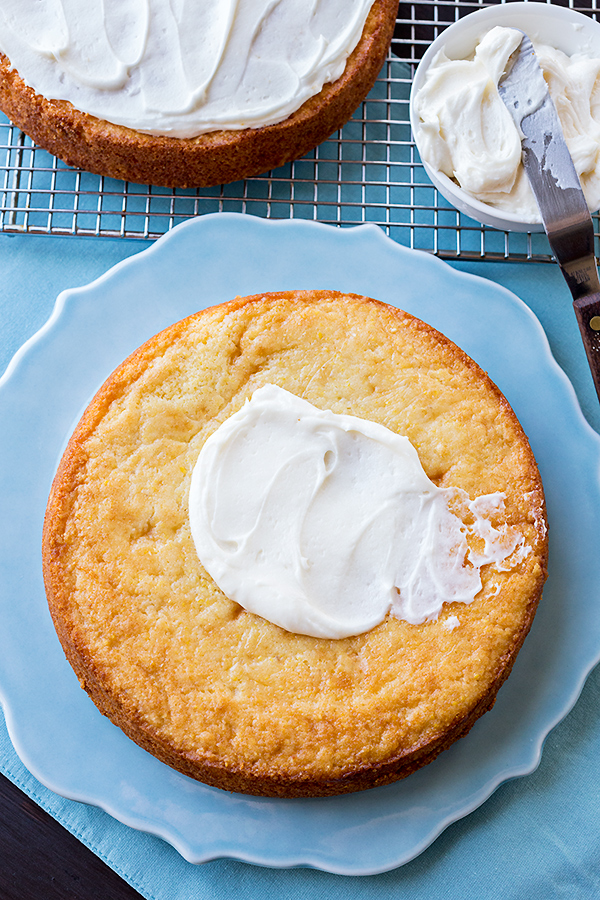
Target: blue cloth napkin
{"points": [[536, 837]]}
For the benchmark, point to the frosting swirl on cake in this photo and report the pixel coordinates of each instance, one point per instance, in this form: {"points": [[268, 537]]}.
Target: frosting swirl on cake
{"points": [[323, 523], [181, 67]]}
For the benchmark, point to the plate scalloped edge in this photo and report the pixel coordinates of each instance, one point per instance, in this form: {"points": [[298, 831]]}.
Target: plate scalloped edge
{"points": [[325, 248]]}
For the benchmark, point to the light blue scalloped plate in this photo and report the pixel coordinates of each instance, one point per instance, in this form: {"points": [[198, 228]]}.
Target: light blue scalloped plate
{"points": [[56, 729]]}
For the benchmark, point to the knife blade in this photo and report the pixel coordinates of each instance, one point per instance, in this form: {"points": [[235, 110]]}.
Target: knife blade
{"points": [[557, 190]]}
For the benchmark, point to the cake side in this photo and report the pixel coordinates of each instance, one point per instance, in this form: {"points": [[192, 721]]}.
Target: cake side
{"points": [[218, 157], [222, 694]]}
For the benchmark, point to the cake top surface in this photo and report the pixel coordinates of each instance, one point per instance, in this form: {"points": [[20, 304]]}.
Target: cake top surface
{"points": [[224, 685], [181, 68]]}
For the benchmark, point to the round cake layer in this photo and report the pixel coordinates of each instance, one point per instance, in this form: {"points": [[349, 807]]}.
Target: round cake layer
{"points": [[216, 157], [222, 694]]}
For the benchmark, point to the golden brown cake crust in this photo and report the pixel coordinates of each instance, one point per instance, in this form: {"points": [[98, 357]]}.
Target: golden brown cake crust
{"points": [[218, 157], [221, 694]]}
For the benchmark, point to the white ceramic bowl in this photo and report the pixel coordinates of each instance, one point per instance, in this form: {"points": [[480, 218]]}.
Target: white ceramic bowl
{"points": [[556, 26]]}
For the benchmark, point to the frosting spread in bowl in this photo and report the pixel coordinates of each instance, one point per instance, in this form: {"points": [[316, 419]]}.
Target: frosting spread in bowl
{"points": [[325, 523], [184, 67], [466, 132]]}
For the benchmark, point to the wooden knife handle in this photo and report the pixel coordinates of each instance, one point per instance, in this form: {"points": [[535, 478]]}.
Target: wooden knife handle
{"points": [[587, 310]]}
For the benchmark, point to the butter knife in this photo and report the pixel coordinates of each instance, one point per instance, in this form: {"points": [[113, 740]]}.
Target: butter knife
{"points": [[557, 190]]}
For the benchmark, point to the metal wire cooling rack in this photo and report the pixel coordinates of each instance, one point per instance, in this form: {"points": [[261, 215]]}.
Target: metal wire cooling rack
{"points": [[367, 172]]}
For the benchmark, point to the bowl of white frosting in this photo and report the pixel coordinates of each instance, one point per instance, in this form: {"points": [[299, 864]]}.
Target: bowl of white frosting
{"points": [[467, 140]]}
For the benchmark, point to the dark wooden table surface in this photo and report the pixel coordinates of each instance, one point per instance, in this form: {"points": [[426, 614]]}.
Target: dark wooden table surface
{"points": [[41, 860]]}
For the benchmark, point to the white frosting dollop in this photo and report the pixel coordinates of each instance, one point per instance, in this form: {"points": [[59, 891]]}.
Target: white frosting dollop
{"points": [[181, 67], [466, 132], [323, 523]]}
